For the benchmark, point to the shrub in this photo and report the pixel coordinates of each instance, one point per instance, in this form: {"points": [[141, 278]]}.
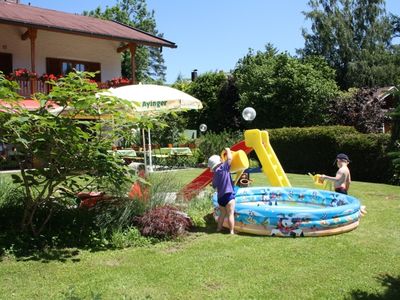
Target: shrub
{"points": [[313, 149], [213, 143], [162, 189], [361, 108], [117, 214], [198, 208], [129, 237], [177, 161], [163, 222], [11, 203]]}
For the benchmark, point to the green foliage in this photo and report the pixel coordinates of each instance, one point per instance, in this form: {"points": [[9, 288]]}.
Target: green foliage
{"points": [[213, 143], [130, 237], [198, 210], [361, 108], [320, 145], [355, 39], [178, 161], [395, 141], [149, 60], [8, 89], [72, 152], [219, 96], [284, 91], [361, 263], [117, 215], [11, 200], [176, 124]]}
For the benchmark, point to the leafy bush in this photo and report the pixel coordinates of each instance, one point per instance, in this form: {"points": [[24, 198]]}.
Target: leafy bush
{"points": [[129, 237], [163, 222], [198, 209], [313, 149], [117, 214], [65, 145], [11, 203], [177, 161], [284, 90], [213, 143], [361, 108]]}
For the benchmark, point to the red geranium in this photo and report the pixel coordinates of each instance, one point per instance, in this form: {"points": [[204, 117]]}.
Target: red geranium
{"points": [[118, 81], [23, 73], [48, 77]]}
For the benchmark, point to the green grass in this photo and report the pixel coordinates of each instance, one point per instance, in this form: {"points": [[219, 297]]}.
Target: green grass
{"points": [[362, 264]]}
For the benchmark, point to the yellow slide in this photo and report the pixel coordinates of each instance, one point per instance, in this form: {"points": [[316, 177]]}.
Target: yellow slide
{"points": [[259, 141]]}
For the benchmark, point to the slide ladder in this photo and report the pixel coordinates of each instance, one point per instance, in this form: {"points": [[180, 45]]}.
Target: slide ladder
{"points": [[259, 141]]}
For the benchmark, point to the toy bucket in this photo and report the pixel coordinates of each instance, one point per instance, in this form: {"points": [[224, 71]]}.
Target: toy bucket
{"points": [[240, 162]]}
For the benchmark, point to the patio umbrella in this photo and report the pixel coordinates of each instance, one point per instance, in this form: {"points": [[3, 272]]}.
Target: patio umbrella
{"points": [[155, 98], [151, 97]]}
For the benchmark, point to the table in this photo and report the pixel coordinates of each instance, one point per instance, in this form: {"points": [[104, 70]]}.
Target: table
{"points": [[176, 151], [124, 153]]}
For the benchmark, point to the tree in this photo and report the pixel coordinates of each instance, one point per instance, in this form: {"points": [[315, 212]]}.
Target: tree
{"points": [[284, 90], [72, 152], [395, 21], [361, 108], [395, 139], [217, 92], [149, 60], [353, 36]]}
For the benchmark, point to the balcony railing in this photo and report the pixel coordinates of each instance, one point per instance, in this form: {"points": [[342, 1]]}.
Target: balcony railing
{"points": [[28, 87]]}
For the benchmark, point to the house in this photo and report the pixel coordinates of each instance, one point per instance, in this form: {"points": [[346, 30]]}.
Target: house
{"points": [[45, 41]]}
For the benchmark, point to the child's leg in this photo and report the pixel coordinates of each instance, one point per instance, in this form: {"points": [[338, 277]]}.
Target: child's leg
{"points": [[221, 217], [230, 209]]}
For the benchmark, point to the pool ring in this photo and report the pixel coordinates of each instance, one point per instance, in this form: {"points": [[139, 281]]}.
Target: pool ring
{"points": [[291, 212]]}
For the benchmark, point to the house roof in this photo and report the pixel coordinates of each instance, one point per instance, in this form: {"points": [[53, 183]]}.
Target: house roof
{"points": [[52, 20]]}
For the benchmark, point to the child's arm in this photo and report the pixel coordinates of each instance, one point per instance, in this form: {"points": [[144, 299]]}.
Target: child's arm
{"points": [[339, 175], [228, 155]]}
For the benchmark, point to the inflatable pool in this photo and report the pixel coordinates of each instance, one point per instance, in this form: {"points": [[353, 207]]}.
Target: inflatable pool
{"points": [[291, 212]]}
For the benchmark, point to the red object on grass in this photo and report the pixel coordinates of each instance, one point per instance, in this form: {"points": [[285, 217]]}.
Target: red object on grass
{"points": [[90, 199]]}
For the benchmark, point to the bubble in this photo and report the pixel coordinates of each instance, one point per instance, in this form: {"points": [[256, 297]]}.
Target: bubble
{"points": [[203, 127], [249, 114]]}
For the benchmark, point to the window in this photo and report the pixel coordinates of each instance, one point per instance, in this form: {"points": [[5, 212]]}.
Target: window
{"points": [[6, 63], [60, 66]]}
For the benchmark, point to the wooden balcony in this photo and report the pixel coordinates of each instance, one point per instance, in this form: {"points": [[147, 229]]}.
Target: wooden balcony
{"points": [[28, 87]]}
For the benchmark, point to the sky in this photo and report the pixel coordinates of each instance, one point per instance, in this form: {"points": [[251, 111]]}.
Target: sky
{"points": [[212, 35]]}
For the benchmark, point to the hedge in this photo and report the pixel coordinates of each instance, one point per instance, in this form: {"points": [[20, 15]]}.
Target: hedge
{"points": [[313, 149]]}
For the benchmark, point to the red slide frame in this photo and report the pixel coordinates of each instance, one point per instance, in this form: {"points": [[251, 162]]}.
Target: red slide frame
{"points": [[204, 179]]}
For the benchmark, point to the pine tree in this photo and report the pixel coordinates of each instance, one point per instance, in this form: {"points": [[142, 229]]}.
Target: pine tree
{"points": [[355, 38]]}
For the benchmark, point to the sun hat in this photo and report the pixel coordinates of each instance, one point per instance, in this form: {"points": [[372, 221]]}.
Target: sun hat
{"points": [[342, 156], [214, 161]]}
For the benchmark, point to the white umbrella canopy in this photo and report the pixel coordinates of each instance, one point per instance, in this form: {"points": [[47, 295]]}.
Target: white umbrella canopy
{"points": [[154, 98], [151, 97]]}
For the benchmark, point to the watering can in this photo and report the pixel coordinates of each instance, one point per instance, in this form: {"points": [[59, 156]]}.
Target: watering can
{"points": [[321, 183]]}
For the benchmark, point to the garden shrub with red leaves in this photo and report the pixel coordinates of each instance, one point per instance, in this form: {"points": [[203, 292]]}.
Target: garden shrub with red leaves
{"points": [[163, 222]]}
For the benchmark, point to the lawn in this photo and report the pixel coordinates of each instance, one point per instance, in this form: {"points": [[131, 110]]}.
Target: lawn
{"points": [[362, 264]]}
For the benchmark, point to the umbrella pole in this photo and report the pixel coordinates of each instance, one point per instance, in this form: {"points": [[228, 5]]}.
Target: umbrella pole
{"points": [[150, 161], [144, 149]]}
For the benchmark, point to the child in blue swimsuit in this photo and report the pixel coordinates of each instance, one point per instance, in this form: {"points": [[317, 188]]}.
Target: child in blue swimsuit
{"points": [[222, 181]]}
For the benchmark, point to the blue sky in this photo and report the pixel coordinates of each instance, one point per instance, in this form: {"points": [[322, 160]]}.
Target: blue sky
{"points": [[214, 34]]}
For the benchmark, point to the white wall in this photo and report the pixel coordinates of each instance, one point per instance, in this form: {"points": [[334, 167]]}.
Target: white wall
{"points": [[60, 45]]}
